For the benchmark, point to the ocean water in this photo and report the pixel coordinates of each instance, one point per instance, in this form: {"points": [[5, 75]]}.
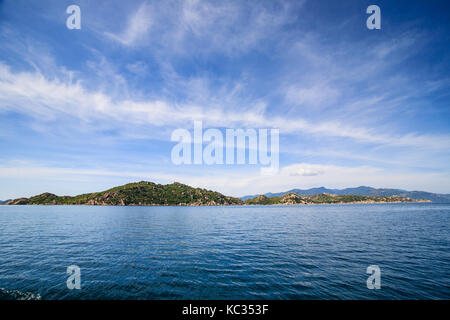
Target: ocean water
{"points": [[241, 252]]}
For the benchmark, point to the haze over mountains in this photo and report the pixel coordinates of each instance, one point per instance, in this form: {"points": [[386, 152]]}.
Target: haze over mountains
{"points": [[363, 191]]}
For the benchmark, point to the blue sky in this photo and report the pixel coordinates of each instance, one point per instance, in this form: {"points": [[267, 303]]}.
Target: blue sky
{"points": [[85, 110]]}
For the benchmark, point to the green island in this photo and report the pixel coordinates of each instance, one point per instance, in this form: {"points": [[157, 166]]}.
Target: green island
{"points": [[146, 193], [292, 199]]}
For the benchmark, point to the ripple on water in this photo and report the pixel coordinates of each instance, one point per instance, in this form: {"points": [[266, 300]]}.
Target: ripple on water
{"points": [[298, 252]]}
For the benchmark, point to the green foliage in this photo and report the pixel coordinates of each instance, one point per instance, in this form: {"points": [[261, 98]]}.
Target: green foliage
{"points": [[149, 193], [262, 200], [291, 198], [142, 193]]}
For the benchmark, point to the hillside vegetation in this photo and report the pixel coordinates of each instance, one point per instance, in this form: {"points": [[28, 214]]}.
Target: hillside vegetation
{"points": [[146, 193], [139, 193], [292, 198]]}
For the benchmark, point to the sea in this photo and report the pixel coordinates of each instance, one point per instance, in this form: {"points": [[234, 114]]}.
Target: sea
{"points": [[226, 252]]}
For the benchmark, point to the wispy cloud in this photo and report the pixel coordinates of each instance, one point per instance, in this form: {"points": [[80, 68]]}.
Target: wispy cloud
{"points": [[319, 95], [34, 95], [370, 103], [139, 24]]}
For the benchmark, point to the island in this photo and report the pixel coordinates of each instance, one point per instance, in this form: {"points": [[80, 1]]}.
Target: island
{"points": [[147, 193], [326, 198]]}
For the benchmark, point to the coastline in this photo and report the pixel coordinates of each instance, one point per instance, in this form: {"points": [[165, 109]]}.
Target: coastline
{"points": [[145, 193], [218, 205]]}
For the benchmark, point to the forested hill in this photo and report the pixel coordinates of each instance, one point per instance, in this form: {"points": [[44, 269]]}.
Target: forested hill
{"points": [[139, 193]]}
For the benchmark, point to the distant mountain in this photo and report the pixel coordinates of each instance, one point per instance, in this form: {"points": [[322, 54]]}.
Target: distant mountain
{"points": [[139, 193], [5, 201], [364, 191]]}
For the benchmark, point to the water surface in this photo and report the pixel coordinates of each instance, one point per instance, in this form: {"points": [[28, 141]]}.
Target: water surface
{"points": [[242, 252]]}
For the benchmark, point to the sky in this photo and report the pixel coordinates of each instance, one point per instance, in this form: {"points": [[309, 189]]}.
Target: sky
{"points": [[89, 109]]}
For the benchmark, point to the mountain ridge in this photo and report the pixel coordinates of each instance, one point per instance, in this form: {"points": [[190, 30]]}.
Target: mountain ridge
{"points": [[363, 191]]}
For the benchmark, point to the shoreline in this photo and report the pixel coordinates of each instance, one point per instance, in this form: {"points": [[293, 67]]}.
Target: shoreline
{"points": [[220, 205]]}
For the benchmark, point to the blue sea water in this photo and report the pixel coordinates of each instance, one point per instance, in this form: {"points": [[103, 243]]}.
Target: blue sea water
{"points": [[241, 252]]}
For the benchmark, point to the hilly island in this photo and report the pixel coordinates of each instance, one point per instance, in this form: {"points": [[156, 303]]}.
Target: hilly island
{"points": [[146, 193]]}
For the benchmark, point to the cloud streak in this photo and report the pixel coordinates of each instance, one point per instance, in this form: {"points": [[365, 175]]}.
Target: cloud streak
{"points": [[34, 95], [139, 24]]}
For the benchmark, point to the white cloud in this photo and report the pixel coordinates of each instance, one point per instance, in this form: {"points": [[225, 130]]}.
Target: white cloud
{"points": [[138, 68], [305, 170], [32, 94], [188, 26], [138, 26], [319, 95]]}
